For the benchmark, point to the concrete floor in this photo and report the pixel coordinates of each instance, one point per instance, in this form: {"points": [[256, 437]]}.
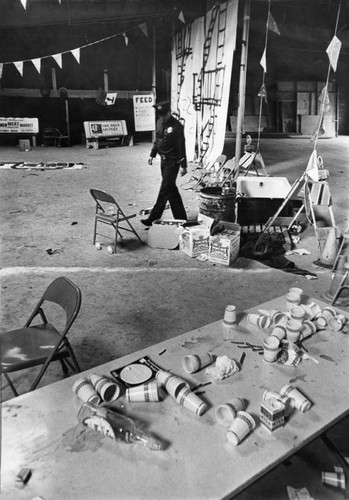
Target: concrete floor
{"points": [[140, 296]]}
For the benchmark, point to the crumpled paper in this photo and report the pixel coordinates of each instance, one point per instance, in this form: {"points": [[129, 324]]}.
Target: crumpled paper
{"points": [[223, 367]]}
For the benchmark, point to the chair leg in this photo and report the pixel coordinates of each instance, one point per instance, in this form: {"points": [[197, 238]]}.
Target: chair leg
{"points": [[95, 232], [10, 383], [134, 231], [341, 287], [64, 367]]}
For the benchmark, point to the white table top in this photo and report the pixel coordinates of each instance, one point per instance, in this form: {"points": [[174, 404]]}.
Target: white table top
{"points": [[38, 427]]}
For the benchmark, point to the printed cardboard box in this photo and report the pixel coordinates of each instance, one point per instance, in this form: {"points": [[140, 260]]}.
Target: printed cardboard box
{"points": [[224, 247], [194, 241]]}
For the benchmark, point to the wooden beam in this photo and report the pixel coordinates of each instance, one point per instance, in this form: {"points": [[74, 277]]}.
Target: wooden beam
{"points": [[77, 94]]}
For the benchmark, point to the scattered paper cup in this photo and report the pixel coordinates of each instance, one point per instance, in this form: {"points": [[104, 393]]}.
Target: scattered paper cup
{"points": [[279, 318], [85, 391], [162, 377], [293, 330], [148, 392], [285, 400], [292, 299], [308, 329], [320, 322], [174, 384], [336, 479], [296, 290], [261, 320], [279, 331], [194, 362], [271, 348], [335, 324], [229, 315], [226, 412], [191, 401], [242, 425], [300, 401], [297, 313], [328, 313], [105, 387]]}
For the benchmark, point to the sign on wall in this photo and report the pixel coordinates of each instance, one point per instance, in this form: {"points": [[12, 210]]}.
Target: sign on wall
{"points": [[105, 128], [19, 125], [144, 113]]}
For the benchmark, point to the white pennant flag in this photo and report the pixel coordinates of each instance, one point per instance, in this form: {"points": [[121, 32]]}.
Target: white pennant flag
{"points": [[1, 68], [58, 59], [263, 61], [333, 52], [37, 64], [24, 3], [76, 54], [144, 29], [19, 66], [181, 17], [126, 38], [60, 2], [312, 167]]}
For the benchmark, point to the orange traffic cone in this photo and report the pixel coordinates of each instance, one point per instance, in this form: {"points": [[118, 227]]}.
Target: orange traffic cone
{"points": [[330, 250], [337, 278]]}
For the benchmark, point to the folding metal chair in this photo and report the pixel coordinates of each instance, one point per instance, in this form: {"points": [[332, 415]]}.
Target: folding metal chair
{"points": [[41, 343], [108, 212], [54, 137]]}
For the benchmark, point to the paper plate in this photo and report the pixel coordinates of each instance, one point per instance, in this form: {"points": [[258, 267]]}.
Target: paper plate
{"points": [[136, 374]]}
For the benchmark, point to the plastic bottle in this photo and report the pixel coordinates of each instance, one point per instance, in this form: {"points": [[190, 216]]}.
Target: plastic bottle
{"points": [[116, 426]]}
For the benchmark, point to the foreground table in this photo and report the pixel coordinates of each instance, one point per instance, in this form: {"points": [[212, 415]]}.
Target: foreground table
{"points": [[40, 428]]}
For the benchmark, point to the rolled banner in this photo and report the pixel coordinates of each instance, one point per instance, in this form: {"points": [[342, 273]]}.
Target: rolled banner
{"points": [[191, 401], [194, 362], [85, 391], [105, 387], [242, 425], [300, 401], [225, 413], [148, 392]]}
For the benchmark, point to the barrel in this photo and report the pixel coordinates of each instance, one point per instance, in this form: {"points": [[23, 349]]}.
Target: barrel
{"points": [[216, 205]]}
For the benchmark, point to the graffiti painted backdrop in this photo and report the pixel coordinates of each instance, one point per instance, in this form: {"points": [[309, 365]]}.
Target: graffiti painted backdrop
{"points": [[202, 60]]}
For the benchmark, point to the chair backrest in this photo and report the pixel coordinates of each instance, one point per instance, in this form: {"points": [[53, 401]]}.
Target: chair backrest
{"points": [[101, 196], [230, 169], [51, 132], [66, 294]]}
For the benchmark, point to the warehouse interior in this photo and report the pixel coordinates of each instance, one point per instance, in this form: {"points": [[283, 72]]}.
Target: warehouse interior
{"points": [[141, 295]]}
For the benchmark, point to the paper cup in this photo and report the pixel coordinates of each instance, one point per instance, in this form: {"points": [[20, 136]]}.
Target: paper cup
{"points": [[229, 315], [335, 324], [292, 299], [261, 320], [293, 330], [279, 331], [148, 392], [296, 290], [194, 362], [226, 412], [308, 329], [271, 348], [105, 387], [85, 391], [279, 318], [328, 313], [336, 479], [320, 322], [191, 401], [242, 425], [300, 401], [174, 384], [297, 313], [162, 377]]}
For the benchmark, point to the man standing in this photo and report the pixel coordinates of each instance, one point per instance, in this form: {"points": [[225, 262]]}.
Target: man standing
{"points": [[170, 145]]}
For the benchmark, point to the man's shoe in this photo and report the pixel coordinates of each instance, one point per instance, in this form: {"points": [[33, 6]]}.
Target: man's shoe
{"points": [[146, 222]]}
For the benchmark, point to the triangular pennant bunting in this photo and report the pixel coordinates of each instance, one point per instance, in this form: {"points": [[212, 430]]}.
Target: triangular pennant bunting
{"points": [[58, 59], [181, 17], [24, 3], [1, 68], [272, 25], [263, 61], [263, 92], [324, 99], [37, 64], [125, 38], [19, 66], [312, 167], [144, 29], [76, 54], [333, 52]]}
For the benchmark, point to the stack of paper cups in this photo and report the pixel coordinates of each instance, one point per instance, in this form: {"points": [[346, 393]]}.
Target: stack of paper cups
{"points": [[300, 401], [242, 425], [191, 401], [226, 412], [83, 388], [292, 299]]}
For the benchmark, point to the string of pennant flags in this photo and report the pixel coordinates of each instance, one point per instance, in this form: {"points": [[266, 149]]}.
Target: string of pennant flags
{"points": [[75, 52]]}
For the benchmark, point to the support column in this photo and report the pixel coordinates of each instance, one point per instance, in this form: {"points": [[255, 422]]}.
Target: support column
{"points": [[242, 80], [153, 85]]}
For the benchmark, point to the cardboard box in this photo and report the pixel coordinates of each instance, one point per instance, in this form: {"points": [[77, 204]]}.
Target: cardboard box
{"points": [[224, 247], [194, 241]]}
